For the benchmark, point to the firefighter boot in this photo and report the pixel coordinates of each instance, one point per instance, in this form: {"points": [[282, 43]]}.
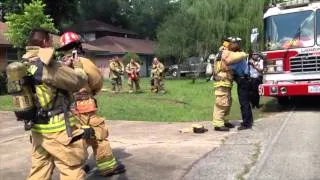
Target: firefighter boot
{"points": [[229, 125], [118, 169], [223, 128]]}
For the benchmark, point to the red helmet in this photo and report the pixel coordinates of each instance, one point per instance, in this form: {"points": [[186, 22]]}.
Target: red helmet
{"points": [[69, 40]]}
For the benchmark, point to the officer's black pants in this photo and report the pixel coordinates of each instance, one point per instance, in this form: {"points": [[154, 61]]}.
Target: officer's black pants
{"points": [[244, 100], [254, 91]]}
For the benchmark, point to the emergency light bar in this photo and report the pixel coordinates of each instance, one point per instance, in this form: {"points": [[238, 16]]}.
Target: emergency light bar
{"points": [[293, 4]]}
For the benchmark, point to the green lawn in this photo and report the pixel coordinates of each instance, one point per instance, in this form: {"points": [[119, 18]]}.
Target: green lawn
{"points": [[5, 103], [183, 101]]}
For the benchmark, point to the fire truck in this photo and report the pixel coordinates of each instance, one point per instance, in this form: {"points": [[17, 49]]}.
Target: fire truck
{"points": [[292, 50]]}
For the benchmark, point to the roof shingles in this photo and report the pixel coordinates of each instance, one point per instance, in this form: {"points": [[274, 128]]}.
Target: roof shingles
{"points": [[107, 43], [95, 25], [120, 44]]}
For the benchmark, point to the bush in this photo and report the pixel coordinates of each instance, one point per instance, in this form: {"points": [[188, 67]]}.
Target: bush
{"points": [[3, 83]]}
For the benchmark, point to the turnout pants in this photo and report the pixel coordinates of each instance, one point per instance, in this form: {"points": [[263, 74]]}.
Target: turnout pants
{"points": [[244, 100], [222, 106], [157, 84], [116, 84], [54, 150], [102, 151], [134, 84]]}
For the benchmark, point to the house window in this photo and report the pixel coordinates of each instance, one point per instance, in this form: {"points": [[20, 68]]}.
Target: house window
{"points": [[89, 36], [12, 54]]}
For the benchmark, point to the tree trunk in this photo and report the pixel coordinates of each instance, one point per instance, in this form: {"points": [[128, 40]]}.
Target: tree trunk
{"points": [[20, 53]]}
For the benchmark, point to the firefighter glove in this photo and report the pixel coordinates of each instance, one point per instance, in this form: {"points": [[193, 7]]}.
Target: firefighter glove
{"points": [[88, 132]]}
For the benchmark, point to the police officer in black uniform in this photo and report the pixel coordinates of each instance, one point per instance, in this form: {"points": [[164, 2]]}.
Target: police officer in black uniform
{"points": [[242, 77]]}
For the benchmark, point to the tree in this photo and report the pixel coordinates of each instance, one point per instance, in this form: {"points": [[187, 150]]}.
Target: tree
{"points": [[199, 27], [131, 55], [62, 11], [174, 37], [20, 25], [107, 11], [145, 16]]}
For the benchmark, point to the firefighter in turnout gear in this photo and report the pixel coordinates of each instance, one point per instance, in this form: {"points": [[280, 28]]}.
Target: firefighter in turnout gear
{"points": [[133, 69], [157, 82], [241, 72], [85, 106], [223, 81], [116, 73], [56, 141]]}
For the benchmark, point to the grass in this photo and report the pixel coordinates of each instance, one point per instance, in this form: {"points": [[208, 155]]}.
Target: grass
{"points": [[6, 103], [183, 101]]}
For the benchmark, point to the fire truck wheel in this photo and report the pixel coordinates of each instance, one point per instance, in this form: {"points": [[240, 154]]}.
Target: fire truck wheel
{"points": [[283, 101]]}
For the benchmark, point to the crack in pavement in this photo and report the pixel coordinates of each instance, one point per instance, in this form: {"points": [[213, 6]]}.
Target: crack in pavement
{"points": [[254, 158], [163, 142], [13, 139], [189, 168]]}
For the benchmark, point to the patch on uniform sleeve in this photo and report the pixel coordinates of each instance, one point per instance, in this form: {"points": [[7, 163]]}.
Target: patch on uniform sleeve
{"points": [[32, 69], [36, 70]]}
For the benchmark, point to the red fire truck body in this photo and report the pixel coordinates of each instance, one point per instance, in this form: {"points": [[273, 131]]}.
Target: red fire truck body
{"points": [[292, 50]]}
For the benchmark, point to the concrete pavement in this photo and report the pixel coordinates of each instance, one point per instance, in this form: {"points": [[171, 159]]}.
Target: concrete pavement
{"points": [[284, 146], [294, 152], [149, 150]]}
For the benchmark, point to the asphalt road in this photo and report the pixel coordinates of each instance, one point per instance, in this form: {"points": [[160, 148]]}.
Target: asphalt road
{"points": [[284, 146], [294, 152]]}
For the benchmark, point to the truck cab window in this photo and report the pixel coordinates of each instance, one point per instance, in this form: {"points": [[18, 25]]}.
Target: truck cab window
{"points": [[291, 30]]}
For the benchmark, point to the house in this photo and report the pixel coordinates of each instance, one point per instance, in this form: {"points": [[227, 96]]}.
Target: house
{"points": [[115, 42], [109, 41], [93, 29], [90, 52], [118, 46]]}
